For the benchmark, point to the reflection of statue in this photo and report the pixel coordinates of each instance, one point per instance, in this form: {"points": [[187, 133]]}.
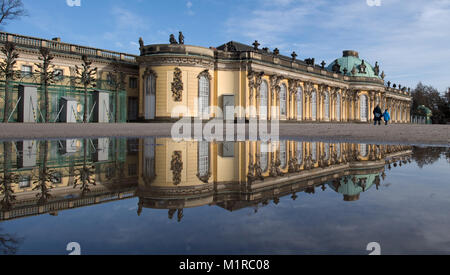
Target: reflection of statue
{"points": [[181, 38], [172, 39]]}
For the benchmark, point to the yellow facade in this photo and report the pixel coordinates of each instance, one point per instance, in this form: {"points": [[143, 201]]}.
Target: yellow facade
{"points": [[325, 96], [233, 69]]}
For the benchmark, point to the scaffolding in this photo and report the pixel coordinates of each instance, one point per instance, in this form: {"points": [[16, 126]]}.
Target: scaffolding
{"points": [[63, 87]]}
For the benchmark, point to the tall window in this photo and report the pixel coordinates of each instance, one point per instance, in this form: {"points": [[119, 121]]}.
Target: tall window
{"points": [[263, 100], [326, 148], [363, 107], [203, 96], [283, 154], [283, 101], [314, 151], [299, 152], [299, 103], [338, 107], [314, 105], [133, 83], [264, 156], [150, 96], [203, 158], [338, 150], [327, 106], [363, 150]]}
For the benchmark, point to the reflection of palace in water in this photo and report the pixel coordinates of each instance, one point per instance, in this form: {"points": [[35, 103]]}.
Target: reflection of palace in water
{"points": [[45, 177]]}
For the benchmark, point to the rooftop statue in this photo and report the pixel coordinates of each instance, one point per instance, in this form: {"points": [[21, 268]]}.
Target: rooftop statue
{"points": [[377, 68], [181, 38], [362, 68], [172, 39]]}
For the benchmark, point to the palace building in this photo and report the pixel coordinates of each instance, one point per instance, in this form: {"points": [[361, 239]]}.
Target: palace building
{"points": [[201, 82]]}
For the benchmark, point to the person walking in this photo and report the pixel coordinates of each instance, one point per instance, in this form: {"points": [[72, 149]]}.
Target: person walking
{"points": [[386, 116], [377, 115]]}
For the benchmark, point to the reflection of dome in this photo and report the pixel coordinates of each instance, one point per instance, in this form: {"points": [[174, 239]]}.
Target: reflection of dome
{"points": [[351, 186], [354, 65]]}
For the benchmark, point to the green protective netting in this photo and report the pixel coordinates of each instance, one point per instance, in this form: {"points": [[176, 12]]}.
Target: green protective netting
{"points": [[63, 89], [59, 160]]}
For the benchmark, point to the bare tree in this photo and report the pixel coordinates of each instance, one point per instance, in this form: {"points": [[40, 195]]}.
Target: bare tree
{"points": [[43, 183], [87, 79], [10, 10], [7, 179], [117, 82], [7, 70], [85, 176], [46, 70]]}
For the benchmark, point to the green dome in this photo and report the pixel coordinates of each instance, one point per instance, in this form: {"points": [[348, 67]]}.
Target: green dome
{"points": [[354, 66], [350, 187]]}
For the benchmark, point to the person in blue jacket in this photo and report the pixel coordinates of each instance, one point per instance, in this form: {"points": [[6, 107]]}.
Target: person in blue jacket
{"points": [[386, 117]]}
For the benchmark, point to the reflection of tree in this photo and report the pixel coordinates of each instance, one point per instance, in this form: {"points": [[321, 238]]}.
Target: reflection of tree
{"points": [[46, 177], [429, 155], [7, 179], [84, 176], [9, 244]]}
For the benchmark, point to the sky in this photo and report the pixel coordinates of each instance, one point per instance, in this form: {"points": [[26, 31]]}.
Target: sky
{"points": [[409, 38]]}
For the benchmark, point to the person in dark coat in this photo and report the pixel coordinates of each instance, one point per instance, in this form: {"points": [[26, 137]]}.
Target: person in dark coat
{"points": [[377, 115]]}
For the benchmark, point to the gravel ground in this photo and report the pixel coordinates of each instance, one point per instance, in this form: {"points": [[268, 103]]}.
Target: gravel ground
{"points": [[402, 133]]}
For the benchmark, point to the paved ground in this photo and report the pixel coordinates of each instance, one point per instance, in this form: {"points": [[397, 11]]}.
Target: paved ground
{"points": [[404, 134]]}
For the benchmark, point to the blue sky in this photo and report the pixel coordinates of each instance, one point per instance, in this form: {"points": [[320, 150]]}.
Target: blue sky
{"points": [[410, 39]]}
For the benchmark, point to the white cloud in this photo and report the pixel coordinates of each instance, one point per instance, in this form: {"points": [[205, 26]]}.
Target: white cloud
{"points": [[189, 5], [409, 38]]}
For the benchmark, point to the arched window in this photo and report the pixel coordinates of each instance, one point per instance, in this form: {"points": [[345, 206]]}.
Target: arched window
{"points": [[338, 107], [283, 101], [299, 152], [327, 106], [264, 156], [203, 158], [283, 154], [299, 103], [363, 108], [314, 105], [263, 103], [203, 96]]}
